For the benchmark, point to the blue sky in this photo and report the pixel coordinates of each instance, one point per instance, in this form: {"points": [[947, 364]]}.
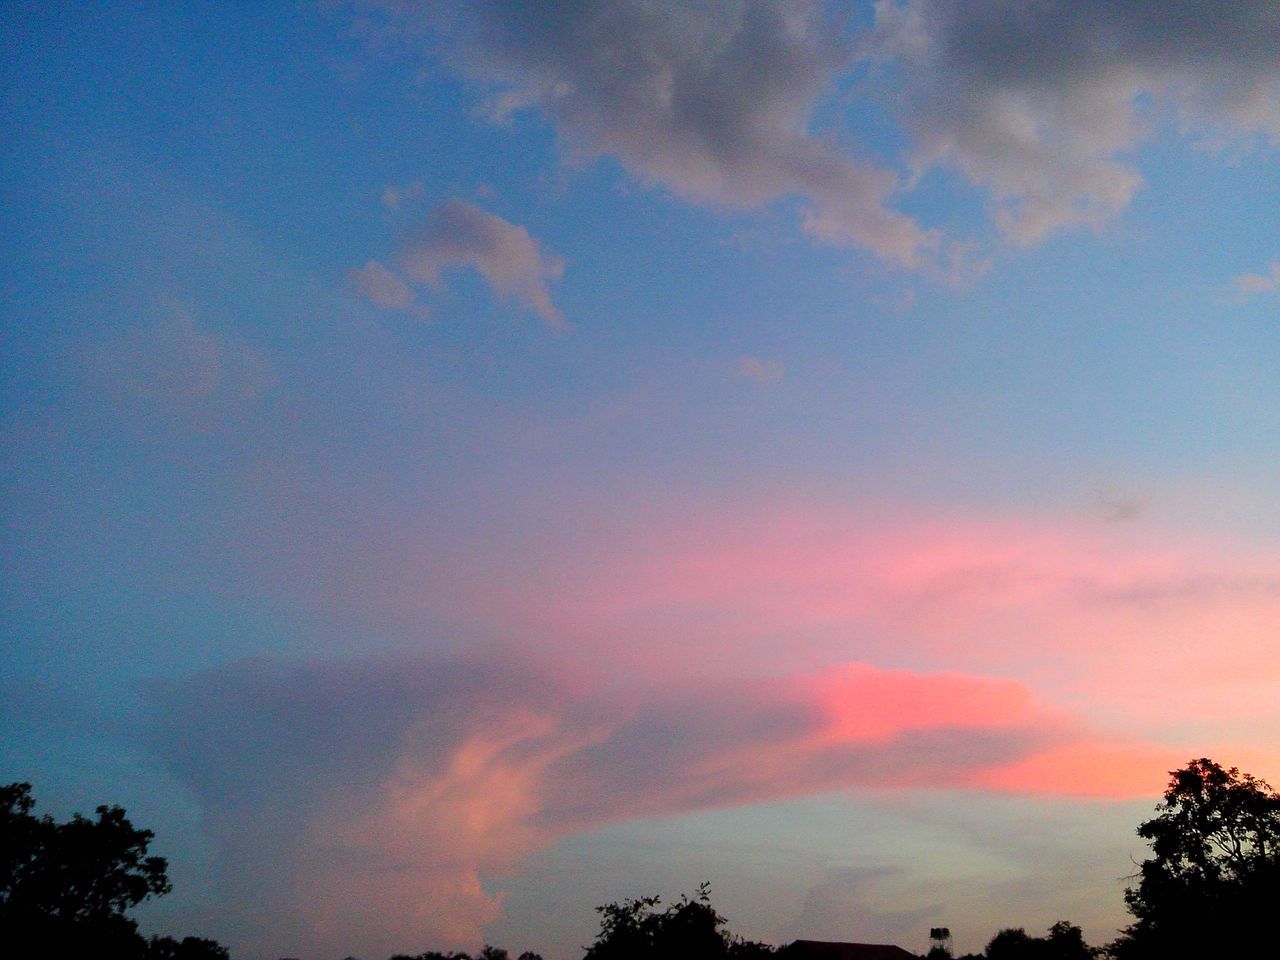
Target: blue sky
{"points": [[839, 440]]}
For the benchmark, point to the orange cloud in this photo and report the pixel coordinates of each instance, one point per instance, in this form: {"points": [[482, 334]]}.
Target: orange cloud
{"points": [[1091, 767]]}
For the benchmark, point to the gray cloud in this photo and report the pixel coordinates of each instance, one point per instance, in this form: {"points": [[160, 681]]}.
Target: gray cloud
{"points": [[712, 100], [1038, 102], [456, 235], [381, 287], [459, 234]]}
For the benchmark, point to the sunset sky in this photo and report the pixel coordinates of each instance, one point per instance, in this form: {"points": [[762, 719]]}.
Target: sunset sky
{"points": [[466, 462]]}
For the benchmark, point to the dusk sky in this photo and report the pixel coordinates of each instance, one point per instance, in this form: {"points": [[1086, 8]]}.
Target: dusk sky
{"points": [[466, 462]]}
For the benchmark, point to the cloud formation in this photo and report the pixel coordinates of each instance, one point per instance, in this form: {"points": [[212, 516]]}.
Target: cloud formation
{"points": [[761, 371], [381, 287], [1039, 102], [380, 795], [457, 235], [1251, 284], [178, 373], [711, 100]]}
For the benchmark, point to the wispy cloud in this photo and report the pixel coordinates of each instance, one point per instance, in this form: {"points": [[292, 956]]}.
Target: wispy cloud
{"points": [[1253, 284], [179, 370], [761, 371], [381, 287]]}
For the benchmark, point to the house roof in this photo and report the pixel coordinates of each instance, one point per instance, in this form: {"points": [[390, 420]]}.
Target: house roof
{"points": [[834, 950]]}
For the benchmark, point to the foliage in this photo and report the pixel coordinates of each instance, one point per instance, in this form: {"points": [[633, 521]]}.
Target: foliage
{"points": [[486, 953], [687, 930], [188, 948], [80, 871], [67, 886], [1065, 941], [1212, 883]]}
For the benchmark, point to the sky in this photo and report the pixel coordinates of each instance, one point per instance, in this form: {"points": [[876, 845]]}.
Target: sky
{"points": [[467, 462]]}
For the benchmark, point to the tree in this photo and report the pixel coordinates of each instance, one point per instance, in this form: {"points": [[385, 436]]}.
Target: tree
{"points": [[687, 930], [66, 887], [1065, 941], [188, 948], [1012, 943], [1212, 883]]}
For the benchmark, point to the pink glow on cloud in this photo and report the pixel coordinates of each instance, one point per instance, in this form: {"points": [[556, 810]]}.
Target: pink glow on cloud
{"points": [[1087, 768], [468, 769], [1073, 607], [864, 703], [723, 656], [1113, 619]]}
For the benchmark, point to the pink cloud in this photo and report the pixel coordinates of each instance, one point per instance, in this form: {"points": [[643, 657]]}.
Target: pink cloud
{"points": [[1087, 768], [1116, 620], [1074, 608], [739, 653], [388, 796]]}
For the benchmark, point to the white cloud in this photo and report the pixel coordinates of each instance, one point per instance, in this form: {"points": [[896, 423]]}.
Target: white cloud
{"points": [[1039, 102]]}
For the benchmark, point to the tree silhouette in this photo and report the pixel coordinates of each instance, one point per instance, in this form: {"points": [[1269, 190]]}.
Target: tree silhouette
{"points": [[65, 888], [1212, 884], [188, 948], [1065, 941], [487, 952], [689, 929]]}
